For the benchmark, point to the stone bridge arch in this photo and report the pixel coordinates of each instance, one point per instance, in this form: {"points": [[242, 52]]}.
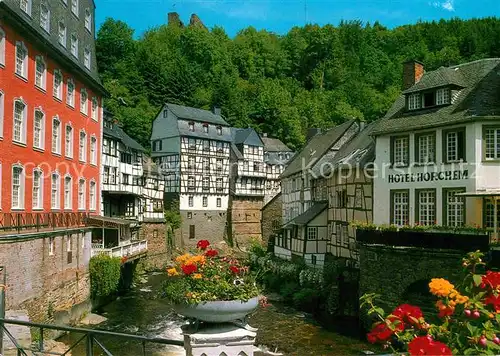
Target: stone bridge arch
{"points": [[399, 274]]}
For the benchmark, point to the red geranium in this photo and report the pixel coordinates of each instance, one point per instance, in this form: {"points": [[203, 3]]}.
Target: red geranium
{"points": [[203, 244], [211, 253], [425, 345], [491, 280], [408, 313], [234, 269], [494, 301], [381, 332], [189, 269]]}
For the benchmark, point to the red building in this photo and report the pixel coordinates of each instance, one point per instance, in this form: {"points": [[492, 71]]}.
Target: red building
{"points": [[50, 107]]}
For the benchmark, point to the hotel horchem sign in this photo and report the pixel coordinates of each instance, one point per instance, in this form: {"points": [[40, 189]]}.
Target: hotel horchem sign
{"points": [[428, 176]]}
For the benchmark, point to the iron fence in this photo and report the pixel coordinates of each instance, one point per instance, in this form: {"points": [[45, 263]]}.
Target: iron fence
{"points": [[17, 222]]}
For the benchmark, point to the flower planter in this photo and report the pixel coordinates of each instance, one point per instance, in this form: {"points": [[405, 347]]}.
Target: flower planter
{"points": [[368, 235], [218, 311]]}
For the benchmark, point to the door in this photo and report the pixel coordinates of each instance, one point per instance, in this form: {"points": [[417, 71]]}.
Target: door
{"points": [[191, 232]]}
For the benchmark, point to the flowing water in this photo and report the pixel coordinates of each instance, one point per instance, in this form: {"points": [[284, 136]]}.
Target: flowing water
{"points": [[280, 328]]}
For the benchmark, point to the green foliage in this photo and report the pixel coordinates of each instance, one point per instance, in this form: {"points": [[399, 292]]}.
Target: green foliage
{"points": [[173, 219], [104, 275], [312, 76], [306, 299]]}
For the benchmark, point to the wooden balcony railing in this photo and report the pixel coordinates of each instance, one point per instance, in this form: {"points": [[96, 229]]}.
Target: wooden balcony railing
{"points": [[18, 222], [124, 250]]}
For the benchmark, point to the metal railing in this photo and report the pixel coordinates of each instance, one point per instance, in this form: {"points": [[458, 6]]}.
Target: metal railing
{"points": [[89, 338], [18, 222], [127, 249]]}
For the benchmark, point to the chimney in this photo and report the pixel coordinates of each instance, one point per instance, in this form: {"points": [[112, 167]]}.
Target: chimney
{"points": [[312, 132], [412, 73], [216, 110], [174, 19], [195, 21]]}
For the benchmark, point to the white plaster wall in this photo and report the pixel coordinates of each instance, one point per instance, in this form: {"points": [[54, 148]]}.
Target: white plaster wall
{"points": [[198, 202], [282, 253]]}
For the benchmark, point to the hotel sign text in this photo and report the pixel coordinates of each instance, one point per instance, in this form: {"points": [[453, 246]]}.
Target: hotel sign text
{"points": [[428, 176]]}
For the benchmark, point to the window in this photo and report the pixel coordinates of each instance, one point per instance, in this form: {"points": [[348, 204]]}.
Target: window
{"points": [[40, 72], [125, 178], [62, 34], [92, 196], [114, 172], [19, 127], [219, 130], [218, 164], [400, 151], [399, 207], [88, 20], [191, 162], [37, 189], [45, 17], [190, 201], [491, 143], [84, 102], [442, 96], [81, 194], [205, 128], [426, 207], [39, 129], [206, 164], [17, 187], [192, 234], [2, 47], [94, 109], [426, 148], [206, 145], [314, 259], [86, 58], [52, 245], [205, 201], [219, 202], [26, 6], [429, 99], [21, 60], [218, 184], [189, 215], [191, 126], [70, 95], [342, 198], [74, 45], [105, 178], [312, 233], [454, 145], [454, 207], [489, 214], [54, 191], [56, 136], [191, 183], [157, 145], [74, 7], [68, 193], [206, 183], [83, 146], [58, 84], [414, 101], [93, 150], [192, 144], [68, 148]]}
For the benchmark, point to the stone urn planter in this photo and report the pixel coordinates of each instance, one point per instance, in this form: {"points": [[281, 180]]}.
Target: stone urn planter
{"points": [[218, 311]]}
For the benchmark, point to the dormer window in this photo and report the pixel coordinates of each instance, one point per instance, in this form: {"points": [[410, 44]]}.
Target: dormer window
{"points": [[205, 128], [219, 130], [414, 101], [429, 99], [442, 96], [191, 126]]}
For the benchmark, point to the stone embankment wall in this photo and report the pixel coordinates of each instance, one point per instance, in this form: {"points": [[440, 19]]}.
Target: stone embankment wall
{"points": [[47, 274], [158, 251], [271, 218]]}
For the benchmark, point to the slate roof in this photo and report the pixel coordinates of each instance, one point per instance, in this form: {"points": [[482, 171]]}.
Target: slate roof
{"points": [[189, 113], [304, 218], [274, 145], [440, 77], [244, 136], [117, 132], [271, 201], [479, 99], [316, 148]]}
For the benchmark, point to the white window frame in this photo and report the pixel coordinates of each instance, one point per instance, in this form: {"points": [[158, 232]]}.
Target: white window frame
{"points": [[204, 202], [70, 94], [92, 195], [426, 146], [205, 183], [82, 197], [455, 207], [312, 233], [452, 142], [73, 45], [190, 201], [58, 89], [25, 6], [401, 147], [56, 136], [40, 137], [68, 140], [2, 47], [55, 191], [426, 200], [442, 96], [75, 7], [414, 101], [62, 34], [20, 186], [87, 58], [45, 23], [37, 204], [68, 193], [82, 146], [491, 143], [93, 150], [22, 68], [24, 120], [2, 111], [40, 77], [84, 101], [400, 207], [219, 202], [88, 20], [95, 109]]}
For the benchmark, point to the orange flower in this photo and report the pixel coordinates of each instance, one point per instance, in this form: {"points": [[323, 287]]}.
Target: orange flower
{"points": [[172, 272], [440, 287], [183, 259], [197, 276]]}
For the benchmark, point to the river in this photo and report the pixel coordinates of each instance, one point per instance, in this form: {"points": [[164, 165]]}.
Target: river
{"points": [[280, 328]]}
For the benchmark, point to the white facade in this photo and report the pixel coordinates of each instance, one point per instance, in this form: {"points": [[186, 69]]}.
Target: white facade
{"points": [[250, 172]]}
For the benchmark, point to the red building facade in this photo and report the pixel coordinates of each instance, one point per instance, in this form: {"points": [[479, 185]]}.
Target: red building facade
{"points": [[50, 109]]}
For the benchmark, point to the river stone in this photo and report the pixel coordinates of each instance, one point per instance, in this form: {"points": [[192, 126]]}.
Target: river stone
{"points": [[21, 334], [93, 319]]}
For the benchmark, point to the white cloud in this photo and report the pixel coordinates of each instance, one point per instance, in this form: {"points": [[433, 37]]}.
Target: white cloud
{"points": [[446, 5]]}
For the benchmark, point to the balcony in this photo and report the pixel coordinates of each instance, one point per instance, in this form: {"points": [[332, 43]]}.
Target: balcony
{"points": [[40, 222], [128, 249]]}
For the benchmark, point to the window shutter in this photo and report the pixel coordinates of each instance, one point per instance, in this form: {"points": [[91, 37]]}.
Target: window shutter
{"points": [[392, 150]]}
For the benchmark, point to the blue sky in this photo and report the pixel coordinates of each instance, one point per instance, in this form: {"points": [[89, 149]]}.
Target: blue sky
{"points": [[280, 15]]}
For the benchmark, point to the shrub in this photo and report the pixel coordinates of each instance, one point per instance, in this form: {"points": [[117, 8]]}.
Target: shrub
{"points": [[104, 275]]}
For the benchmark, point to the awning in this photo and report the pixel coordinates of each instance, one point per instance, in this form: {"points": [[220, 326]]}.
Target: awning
{"points": [[106, 221], [119, 192], [481, 193]]}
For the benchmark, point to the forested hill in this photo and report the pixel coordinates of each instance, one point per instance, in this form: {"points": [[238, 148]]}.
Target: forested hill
{"points": [[311, 77]]}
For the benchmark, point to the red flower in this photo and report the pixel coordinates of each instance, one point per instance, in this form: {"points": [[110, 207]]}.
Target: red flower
{"points": [[408, 313], [189, 269], [494, 301], [425, 345], [491, 280], [211, 253], [234, 269], [203, 244], [381, 332]]}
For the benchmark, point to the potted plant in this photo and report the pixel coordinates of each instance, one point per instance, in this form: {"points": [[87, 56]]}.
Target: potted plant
{"points": [[366, 232], [208, 287]]}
